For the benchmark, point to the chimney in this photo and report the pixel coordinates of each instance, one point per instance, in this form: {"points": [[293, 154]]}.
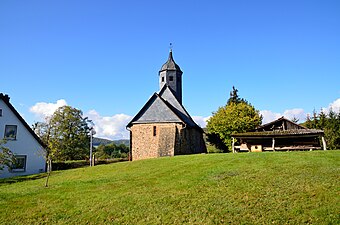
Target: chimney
{"points": [[4, 97]]}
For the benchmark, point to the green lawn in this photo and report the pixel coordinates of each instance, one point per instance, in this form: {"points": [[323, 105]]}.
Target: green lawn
{"points": [[244, 188]]}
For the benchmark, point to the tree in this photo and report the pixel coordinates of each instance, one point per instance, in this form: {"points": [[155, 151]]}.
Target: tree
{"points": [[65, 133], [112, 151], [234, 97], [237, 116], [6, 156], [69, 134], [332, 130], [322, 120], [43, 130], [329, 123], [295, 119]]}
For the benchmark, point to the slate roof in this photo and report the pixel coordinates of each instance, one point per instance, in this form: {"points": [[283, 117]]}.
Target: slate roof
{"points": [[170, 64], [6, 98], [163, 107]]}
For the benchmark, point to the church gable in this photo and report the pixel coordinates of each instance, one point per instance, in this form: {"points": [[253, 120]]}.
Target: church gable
{"points": [[169, 96], [156, 110]]}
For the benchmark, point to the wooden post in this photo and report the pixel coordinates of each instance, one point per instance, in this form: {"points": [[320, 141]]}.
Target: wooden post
{"points": [[273, 144], [324, 143], [91, 144], [233, 145]]}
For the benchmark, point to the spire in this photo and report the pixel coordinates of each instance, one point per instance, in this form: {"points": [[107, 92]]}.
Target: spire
{"points": [[170, 64]]}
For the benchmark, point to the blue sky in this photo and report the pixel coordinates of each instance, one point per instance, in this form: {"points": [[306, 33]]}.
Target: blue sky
{"points": [[103, 57]]}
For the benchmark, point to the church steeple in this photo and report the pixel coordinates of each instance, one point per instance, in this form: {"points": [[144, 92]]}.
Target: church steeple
{"points": [[171, 74]]}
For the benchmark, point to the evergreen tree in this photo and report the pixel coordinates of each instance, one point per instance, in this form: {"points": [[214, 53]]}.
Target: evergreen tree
{"points": [[329, 123], [234, 98]]}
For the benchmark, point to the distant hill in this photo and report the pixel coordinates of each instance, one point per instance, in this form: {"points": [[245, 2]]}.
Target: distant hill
{"points": [[102, 141], [122, 141]]}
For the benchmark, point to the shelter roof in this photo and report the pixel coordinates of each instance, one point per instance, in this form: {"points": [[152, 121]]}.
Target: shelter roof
{"points": [[281, 123], [280, 133]]}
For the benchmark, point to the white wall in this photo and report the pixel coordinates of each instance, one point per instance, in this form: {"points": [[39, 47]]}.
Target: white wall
{"points": [[25, 144]]}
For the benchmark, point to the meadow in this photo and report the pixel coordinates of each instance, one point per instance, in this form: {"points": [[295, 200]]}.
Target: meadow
{"points": [[243, 188]]}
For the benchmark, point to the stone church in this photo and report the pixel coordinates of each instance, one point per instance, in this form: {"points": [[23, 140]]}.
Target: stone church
{"points": [[163, 127]]}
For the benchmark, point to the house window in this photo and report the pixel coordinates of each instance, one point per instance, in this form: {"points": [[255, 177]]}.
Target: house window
{"points": [[20, 163], [154, 130], [0, 112], [162, 79], [10, 132], [171, 78]]}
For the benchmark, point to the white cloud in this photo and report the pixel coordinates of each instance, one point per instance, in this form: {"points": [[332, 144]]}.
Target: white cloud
{"points": [[335, 106], [113, 127], [297, 113], [201, 121], [43, 109], [110, 127], [269, 116]]}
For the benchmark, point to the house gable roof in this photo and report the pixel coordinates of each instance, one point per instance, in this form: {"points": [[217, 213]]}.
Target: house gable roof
{"points": [[5, 99]]}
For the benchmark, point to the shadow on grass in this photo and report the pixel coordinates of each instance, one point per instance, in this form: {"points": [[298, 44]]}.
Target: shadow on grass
{"points": [[12, 180]]}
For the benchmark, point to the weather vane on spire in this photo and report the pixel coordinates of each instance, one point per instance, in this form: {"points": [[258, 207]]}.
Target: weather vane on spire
{"points": [[170, 47]]}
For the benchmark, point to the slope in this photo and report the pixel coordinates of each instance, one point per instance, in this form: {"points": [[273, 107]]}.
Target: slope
{"points": [[264, 188]]}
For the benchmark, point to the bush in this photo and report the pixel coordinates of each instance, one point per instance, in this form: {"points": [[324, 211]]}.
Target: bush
{"points": [[66, 165]]}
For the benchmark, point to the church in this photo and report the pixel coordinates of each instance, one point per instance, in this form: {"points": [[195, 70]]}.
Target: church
{"points": [[163, 127]]}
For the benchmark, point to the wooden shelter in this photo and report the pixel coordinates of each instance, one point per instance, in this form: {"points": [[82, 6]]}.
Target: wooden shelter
{"points": [[279, 135]]}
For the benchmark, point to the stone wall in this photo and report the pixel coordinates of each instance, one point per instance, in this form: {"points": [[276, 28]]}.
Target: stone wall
{"points": [[167, 139], [164, 139], [147, 144], [191, 142]]}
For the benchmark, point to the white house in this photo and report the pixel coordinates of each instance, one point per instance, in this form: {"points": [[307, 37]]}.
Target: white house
{"points": [[21, 140]]}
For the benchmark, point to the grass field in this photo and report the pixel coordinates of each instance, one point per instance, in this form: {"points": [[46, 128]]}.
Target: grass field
{"points": [[249, 188]]}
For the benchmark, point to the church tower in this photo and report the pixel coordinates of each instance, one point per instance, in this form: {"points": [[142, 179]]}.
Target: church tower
{"points": [[171, 75], [163, 127]]}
